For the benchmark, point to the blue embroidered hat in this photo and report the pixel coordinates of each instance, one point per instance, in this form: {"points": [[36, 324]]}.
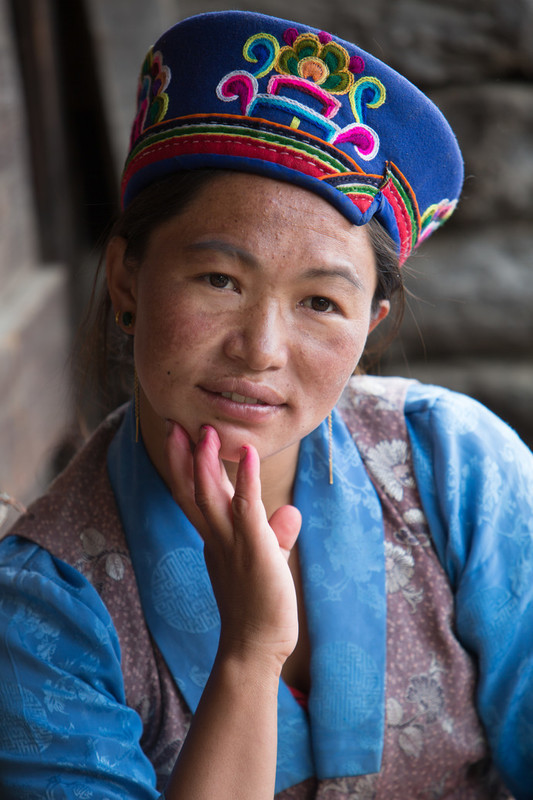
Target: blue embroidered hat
{"points": [[244, 91]]}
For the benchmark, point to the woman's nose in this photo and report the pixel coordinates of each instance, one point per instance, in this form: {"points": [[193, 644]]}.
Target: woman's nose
{"points": [[259, 339]]}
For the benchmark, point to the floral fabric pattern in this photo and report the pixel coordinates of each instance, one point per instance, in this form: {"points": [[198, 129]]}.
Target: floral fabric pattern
{"points": [[388, 461], [433, 735]]}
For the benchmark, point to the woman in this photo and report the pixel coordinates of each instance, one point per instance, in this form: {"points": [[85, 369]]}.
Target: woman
{"points": [[376, 556]]}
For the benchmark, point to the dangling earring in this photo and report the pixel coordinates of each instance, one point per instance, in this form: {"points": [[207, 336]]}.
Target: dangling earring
{"points": [[136, 402], [330, 442]]}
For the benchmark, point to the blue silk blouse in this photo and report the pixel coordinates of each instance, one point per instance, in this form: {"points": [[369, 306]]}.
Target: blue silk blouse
{"points": [[65, 728]]}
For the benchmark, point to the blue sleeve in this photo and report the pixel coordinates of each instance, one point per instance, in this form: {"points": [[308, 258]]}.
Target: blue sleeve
{"points": [[475, 478], [65, 729]]}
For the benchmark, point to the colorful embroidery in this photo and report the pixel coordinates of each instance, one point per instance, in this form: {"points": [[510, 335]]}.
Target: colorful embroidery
{"points": [[366, 93], [261, 43], [247, 137], [435, 216], [304, 105], [311, 69], [152, 100], [321, 60]]}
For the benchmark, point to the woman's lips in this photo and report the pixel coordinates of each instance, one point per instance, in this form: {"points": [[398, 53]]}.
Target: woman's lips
{"points": [[248, 405], [244, 392]]}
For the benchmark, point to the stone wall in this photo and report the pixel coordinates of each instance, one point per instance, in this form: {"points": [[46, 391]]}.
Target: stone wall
{"points": [[33, 305]]}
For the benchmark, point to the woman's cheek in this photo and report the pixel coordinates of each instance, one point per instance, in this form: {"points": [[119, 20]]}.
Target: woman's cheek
{"points": [[338, 356], [171, 328]]}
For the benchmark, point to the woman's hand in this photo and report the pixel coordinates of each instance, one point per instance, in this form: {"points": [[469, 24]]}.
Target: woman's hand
{"points": [[230, 750], [246, 554]]}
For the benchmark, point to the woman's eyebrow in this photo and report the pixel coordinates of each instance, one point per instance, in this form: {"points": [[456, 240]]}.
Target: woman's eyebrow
{"points": [[333, 272], [218, 245], [227, 249]]}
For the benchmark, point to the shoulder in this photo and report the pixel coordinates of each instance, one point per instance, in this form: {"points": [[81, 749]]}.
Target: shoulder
{"points": [[369, 402], [61, 679], [44, 599], [424, 405], [475, 476], [457, 433], [78, 511]]}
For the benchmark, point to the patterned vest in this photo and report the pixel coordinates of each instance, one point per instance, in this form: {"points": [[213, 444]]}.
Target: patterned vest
{"points": [[434, 745]]}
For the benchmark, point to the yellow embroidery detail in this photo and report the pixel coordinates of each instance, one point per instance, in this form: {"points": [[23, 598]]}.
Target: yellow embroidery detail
{"points": [[266, 39]]}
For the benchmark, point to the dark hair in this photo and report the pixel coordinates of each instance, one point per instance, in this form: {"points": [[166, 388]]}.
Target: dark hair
{"points": [[389, 287], [106, 353]]}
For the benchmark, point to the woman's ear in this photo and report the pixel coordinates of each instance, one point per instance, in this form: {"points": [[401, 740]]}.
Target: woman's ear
{"points": [[379, 315], [121, 280]]}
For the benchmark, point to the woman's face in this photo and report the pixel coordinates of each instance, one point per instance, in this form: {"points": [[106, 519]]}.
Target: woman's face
{"points": [[252, 308]]}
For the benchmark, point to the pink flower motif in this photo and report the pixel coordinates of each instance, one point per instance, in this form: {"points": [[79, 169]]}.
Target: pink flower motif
{"points": [[356, 64], [290, 36]]}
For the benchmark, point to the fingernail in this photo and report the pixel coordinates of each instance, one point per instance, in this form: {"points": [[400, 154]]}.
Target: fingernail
{"points": [[203, 433], [244, 452]]}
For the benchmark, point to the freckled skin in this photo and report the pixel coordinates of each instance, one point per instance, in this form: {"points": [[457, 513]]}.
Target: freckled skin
{"points": [[279, 247]]}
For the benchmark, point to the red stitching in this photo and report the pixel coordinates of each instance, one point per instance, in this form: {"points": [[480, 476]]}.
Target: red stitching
{"points": [[251, 123], [170, 146], [398, 205]]}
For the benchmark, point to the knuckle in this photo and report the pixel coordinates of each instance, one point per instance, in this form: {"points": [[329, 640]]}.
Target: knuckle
{"points": [[241, 506], [202, 501]]}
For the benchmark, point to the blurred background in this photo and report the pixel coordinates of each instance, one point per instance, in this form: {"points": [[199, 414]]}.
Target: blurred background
{"points": [[68, 73]]}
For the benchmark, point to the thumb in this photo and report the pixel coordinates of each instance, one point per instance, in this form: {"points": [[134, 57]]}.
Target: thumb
{"points": [[286, 523]]}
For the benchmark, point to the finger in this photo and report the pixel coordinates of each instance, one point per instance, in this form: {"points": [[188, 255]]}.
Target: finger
{"points": [[247, 506], [286, 523], [178, 452], [213, 490]]}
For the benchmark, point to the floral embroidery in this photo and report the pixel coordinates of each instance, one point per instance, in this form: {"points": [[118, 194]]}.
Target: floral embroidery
{"points": [[426, 694], [388, 461], [435, 216], [400, 567], [152, 100], [319, 59], [400, 570], [414, 517], [314, 69]]}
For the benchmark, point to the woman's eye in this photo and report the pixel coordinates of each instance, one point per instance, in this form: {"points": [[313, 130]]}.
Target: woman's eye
{"points": [[219, 280], [320, 304]]}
